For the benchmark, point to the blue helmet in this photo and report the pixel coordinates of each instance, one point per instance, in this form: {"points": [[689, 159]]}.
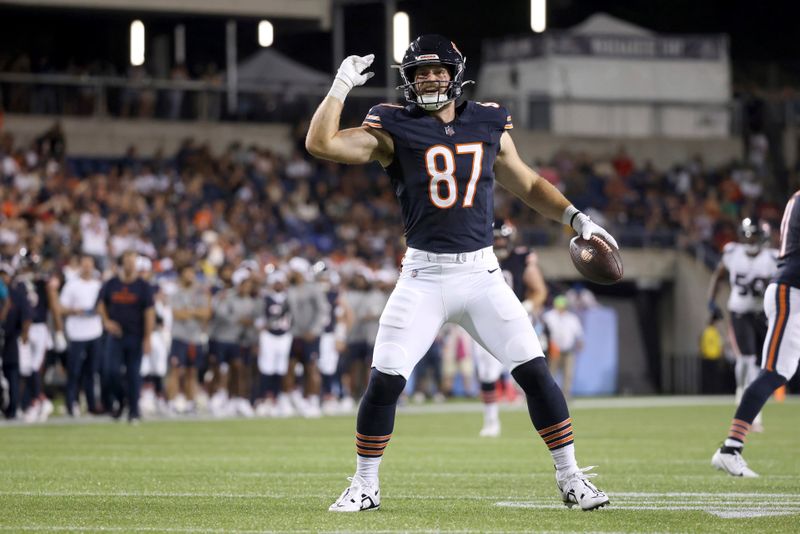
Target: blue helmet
{"points": [[432, 49]]}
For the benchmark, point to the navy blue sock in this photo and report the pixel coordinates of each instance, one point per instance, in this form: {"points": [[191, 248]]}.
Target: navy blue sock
{"points": [[753, 400], [327, 384], [274, 386], [376, 413], [546, 404], [489, 392]]}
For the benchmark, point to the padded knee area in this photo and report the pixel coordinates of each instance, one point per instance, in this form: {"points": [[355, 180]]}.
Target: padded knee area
{"points": [[768, 381], [384, 389], [534, 377], [757, 394], [546, 403]]}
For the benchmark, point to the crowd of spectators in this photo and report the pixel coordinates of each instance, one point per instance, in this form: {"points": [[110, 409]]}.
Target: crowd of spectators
{"points": [[250, 211]]}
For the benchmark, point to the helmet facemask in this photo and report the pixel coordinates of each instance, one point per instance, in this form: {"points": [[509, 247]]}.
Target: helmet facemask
{"points": [[752, 236], [432, 49], [448, 91]]}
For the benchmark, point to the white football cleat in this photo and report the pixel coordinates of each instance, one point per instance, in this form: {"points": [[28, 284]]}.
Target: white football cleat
{"points": [[45, 410], [490, 430], [330, 407], [359, 497], [732, 462], [576, 489], [347, 404]]}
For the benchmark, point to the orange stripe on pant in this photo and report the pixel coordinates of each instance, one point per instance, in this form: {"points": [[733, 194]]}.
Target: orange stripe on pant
{"points": [[780, 326]]}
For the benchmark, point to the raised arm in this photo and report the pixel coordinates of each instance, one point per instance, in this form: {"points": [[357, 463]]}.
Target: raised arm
{"points": [[513, 174], [354, 145]]}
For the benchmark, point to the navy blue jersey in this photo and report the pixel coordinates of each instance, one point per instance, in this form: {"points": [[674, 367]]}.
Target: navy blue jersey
{"points": [[442, 173], [40, 307], [279, 316], [789, 254], [333, 301], [127, 303], [514, 270], [19, 311]]}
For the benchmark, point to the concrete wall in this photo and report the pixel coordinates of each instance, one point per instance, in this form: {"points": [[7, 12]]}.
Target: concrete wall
{"points": [[111, 137], [663, 152]]}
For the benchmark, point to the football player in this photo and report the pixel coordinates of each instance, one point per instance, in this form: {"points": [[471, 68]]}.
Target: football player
{"points": [[274, 346], [443, 157], [780, 354], [749, 265], [521, 272]]}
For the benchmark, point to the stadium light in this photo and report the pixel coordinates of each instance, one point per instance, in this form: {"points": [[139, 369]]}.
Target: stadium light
{"points": [[137, 43], [538, 15], [401, 35], [266, 33]]}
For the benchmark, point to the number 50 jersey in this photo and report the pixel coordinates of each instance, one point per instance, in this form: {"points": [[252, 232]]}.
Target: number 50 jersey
{"points": [[749, 276], [442, 173]]}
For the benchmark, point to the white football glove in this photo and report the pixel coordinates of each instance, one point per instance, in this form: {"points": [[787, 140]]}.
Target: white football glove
{"points": [[351, 74], [584, 225]]}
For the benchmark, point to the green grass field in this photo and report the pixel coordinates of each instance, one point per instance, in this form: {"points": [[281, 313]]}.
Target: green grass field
{"points": [[437, 475]]}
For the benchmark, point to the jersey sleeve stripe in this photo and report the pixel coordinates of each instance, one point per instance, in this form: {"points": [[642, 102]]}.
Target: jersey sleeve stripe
{"points": [[373, 117], [372, 125]]}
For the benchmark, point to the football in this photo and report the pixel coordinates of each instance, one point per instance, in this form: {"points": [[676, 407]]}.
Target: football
{"points": [[596, 259]]}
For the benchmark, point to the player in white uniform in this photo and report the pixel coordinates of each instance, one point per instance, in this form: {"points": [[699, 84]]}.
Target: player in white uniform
{"points": [[750, 266], [443, 160], [521, 272]]}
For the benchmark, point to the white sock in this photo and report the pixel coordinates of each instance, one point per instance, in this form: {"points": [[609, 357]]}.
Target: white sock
{"points": [[733, 443], [367, 468], [758, 420], [565, 460], [491, 413]]}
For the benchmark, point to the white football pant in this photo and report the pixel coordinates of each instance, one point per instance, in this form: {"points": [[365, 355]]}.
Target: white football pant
{"points": [[32, 353], [273, 353], [467, 289]]}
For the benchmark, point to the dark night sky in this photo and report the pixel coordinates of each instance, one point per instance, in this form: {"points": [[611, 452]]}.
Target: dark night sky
{"points": [[760, 32]]}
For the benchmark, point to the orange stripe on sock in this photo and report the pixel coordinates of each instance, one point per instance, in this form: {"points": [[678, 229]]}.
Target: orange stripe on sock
{"points": [[560, 442], [551, 437], [364, 452], [554, 427], [370, 445], [373, 438]]}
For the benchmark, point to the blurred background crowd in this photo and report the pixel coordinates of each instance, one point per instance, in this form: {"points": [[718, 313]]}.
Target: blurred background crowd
{"points": [[273, 252]]}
